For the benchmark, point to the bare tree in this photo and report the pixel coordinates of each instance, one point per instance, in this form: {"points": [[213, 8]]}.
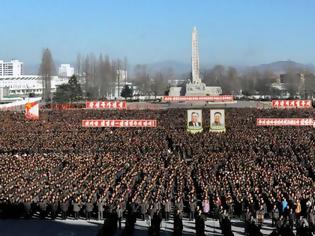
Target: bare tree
{"points": [[79, 65], [142, 79], [47, 70], [214, 76], [309, 85], [125, 64], [159, 84]]}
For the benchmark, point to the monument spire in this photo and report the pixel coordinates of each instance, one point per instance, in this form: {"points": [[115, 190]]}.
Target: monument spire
{"points": [[195, 57], [196, 87]]}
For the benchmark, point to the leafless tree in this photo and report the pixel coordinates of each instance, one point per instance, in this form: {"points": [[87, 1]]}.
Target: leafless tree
{"points": [[79, 65], [159, 84], [47, 70], [142, 79]]}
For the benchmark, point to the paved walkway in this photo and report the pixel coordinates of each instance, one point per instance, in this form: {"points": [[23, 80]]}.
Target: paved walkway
{"points": [[70, 227]]}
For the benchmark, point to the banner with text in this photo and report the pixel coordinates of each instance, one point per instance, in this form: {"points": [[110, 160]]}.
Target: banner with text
{"points": [[106, 104], [223, 98], [284, 122], [119, 123], [291, 103]]}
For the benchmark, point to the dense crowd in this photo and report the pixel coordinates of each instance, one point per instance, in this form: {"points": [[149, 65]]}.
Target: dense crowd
{"points": [[54, 166]]}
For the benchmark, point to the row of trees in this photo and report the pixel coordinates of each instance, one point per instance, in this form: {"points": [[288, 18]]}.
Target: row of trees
{"points": [[100, 73], [259, 82], [151, 83], [232, 82], [101, 77]]}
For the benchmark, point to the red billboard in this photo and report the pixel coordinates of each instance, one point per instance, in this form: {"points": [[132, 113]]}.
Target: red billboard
{"points": [[119, 123], [106, 104], [291, 103], [284, 122], [223, 98]]}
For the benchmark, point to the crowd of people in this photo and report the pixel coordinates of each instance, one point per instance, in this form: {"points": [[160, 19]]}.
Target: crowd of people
{"points": [[53, 167]]}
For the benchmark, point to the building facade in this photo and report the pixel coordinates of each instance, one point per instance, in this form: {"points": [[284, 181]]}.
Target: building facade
{"points": [[11, 68], [25, 84], [65, 70]]}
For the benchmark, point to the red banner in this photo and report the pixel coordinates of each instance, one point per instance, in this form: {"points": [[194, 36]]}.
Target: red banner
{"points": [[106, 104], [62, 106], [291, 103], [284, 122], [224, 98], [119, 123]]}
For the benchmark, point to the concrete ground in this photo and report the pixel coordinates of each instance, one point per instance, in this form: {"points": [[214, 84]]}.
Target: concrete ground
{"points": [[70, 227]]}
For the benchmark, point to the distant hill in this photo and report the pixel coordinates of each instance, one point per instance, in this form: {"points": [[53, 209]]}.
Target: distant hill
{"points": [[283, 66]]}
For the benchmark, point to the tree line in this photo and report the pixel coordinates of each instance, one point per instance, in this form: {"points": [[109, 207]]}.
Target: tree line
{"points": [[101, 77], [297, 81]]}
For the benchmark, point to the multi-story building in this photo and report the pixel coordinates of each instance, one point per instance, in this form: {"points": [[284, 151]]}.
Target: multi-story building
{"points": [[25, 84], [11, 68], [65, 70]]}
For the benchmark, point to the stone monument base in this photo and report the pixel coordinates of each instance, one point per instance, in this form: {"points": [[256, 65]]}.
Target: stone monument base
{"points": [[200, 89], [175, 91]]}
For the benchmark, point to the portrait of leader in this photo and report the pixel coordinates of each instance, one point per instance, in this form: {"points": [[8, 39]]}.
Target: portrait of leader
{"points": [[217, 119], [195, 119]]}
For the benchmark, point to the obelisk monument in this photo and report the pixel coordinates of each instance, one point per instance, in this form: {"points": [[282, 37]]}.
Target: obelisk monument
{"points": [[195, 57], [195, 87]]}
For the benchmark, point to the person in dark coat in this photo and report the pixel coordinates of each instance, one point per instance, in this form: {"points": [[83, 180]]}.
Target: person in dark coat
{"points": [[54, 209], [155, 224], [27, 208], [120, 213], [88, 210], [178, 224], [275, 215], [76, 209], [64, 209], [192, 209], [100, 209], [43, 209], [167, 207], [226, 227], [200, 224], [253, 230]]}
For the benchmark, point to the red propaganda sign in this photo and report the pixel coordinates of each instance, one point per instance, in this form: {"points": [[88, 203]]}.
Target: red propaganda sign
{"points": [[284, 122], [106, 104], [291, 103], [224, 98], [62, 106], [119, 123]]}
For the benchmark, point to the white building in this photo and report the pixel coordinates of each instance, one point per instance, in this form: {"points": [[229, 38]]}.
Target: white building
{"points": [[12, 68], [121, 81], [65, 70], [25, 84], [4, 92], [121, 76]]}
